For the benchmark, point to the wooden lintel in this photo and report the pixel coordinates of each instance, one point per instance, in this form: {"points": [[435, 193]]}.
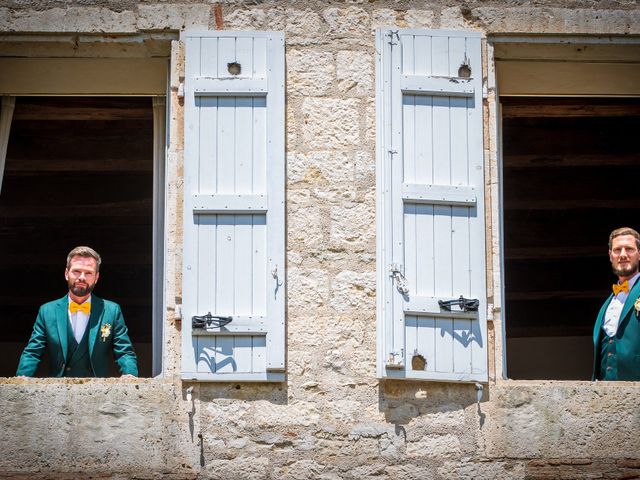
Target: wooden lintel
{"points": [[61, 112], [39, 166], [569, 110], [566, 204], [550, 253], [109, 209], [555, 294], [570, 160]]}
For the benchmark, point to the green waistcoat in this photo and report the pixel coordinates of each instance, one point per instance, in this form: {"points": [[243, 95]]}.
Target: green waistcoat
{"points": [[78, 361]]}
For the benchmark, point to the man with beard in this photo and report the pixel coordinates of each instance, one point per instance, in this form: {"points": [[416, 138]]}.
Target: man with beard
{"points": [[79, 330], [616, 334]]}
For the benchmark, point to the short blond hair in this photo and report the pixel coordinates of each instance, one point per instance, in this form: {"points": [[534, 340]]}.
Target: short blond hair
{"points": [[618, 232], [87, 252]]}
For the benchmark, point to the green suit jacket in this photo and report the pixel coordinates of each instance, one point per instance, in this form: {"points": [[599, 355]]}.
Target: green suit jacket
{"points": [[628, 337], [50, 333]]}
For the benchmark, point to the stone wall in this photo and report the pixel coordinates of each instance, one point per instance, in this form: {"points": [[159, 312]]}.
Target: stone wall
{"points": [[333, 418]]}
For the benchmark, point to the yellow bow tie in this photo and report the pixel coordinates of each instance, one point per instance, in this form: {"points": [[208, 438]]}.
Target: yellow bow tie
{"points": [[83, 307], [623, 287]]}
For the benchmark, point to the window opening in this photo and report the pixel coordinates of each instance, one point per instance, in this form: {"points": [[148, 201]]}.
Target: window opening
{"points": [[79, 171], [568, 170]]}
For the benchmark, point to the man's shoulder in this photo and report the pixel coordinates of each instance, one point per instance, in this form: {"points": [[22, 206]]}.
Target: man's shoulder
{"points": [[107, 304], [54, 303]]}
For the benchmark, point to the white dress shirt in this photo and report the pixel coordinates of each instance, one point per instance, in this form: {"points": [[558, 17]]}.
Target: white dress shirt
{"points": [[612, 314], [78, 321]]}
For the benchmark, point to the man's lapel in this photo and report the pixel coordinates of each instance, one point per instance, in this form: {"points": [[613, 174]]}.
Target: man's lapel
{"points": [[628, 304], [97, 306], [600, 319], [62, 323]]}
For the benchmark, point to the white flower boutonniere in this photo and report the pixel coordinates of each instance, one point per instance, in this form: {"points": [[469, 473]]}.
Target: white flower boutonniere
{"points": [[636, 306], [105, 331]]}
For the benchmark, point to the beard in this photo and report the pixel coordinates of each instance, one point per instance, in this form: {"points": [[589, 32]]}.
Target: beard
{"points": [[80, 289], [625, 270]]}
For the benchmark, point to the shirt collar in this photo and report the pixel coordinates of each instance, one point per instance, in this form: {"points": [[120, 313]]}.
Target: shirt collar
{"points": [[89, 299]]}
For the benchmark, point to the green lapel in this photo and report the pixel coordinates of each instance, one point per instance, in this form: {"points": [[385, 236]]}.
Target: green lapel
{"points": [[62, 323], [600, 319], [628, 304], [97, 306]]}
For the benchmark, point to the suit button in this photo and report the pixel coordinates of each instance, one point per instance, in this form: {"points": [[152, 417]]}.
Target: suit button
{"points": [[609, 354], [611, 340], [608, 368]]}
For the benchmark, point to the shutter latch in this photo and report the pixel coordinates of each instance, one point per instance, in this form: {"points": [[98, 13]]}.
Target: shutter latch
{"points": [[209, 321], [395, 270], [466, 304]]}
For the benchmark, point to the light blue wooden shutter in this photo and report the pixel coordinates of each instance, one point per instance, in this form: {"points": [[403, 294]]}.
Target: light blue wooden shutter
{"points": [[431, 233], [234, 206]]}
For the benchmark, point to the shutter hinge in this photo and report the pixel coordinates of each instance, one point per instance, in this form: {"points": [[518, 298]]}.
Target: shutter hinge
{"points": [[395, 360], [181, 90], [391, 34], [395, 271]]}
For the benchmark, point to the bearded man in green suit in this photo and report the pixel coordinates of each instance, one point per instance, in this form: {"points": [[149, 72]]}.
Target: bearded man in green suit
{"points": [[616, 335], [79, 330]]}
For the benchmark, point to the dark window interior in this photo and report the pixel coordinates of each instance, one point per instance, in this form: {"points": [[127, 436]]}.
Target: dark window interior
{"points": [[570, 167], [79, 171]]}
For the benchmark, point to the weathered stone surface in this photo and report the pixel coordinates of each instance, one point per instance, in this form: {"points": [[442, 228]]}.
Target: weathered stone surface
{"points": [[310, 72], [349, 21], [354, 72], [330, 123], [352, 290], [419, 18], [351, 226], [70, 19], [173, 17]]}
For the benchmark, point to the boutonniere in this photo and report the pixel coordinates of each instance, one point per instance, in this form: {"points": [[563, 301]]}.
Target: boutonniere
{"points": [[105, 331], [636, 306]]}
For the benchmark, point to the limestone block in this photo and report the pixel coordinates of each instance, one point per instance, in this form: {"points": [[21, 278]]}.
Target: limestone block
{"points": [[330, 123], [365, 170], [435, 446], [332, 168], [383, 17], [497, 470], [451, 18], [350, 21], [173, 17], [304, 223], [245, 467], [273, 19], [299, 470], [307, 288], [411, 471], [71, 19], [353, 291], [310, 72], [353, 226], [419, 18], [303, 27], [354, 72]]}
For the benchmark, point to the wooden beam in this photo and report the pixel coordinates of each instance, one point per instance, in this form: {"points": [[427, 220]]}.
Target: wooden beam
{"points": [[555, 295], [571, 160], [567, 204], [61, 113], [550, 253], [140, 208], [569, 110], [41, 165]]}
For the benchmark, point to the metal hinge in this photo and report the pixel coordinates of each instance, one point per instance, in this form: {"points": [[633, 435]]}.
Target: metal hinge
{"points": [[391, 34], [395, 271]]}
